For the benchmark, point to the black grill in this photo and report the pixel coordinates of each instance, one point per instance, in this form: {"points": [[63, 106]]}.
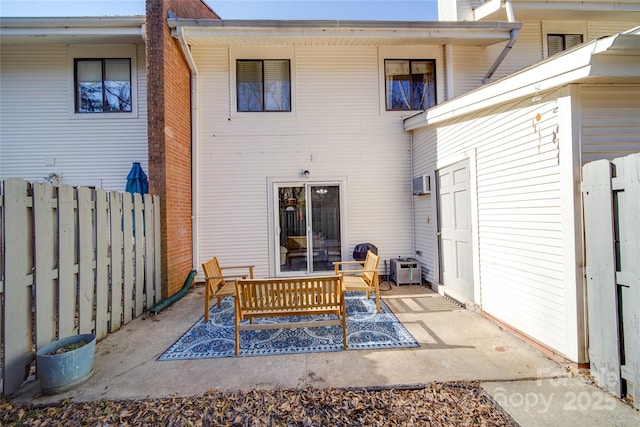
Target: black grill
{"points": [[361, 249]]}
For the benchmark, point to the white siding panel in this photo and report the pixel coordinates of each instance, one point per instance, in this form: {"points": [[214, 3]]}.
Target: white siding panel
{"points": [[447, 10], [598, 29], [424, 162], [526, 51], [456, 10], [520, 220], [610, 121], [336, 131], [38, 136], [470, 66]]}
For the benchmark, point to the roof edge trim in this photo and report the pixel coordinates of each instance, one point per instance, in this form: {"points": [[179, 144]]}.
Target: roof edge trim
{"points": [[566, 68]]}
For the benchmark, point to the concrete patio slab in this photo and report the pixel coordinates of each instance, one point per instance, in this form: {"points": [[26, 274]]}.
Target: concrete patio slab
{"points": [[455, 345]]}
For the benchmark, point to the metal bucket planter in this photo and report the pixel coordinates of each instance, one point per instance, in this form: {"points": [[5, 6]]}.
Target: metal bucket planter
{"points": [[63, 371]]}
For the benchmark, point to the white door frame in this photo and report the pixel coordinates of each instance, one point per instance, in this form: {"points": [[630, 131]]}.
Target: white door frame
{"points": [[272, 211], [473, 195]]}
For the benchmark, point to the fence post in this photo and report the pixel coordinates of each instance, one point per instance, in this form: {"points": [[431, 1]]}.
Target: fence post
{"points": [[18, 280], [628, 277]]}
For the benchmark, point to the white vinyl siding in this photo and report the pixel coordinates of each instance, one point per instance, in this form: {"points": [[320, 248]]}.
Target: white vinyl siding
{"points": [[470, 65], [519, 213], [425, 228], [599, 29], [338, 129], [457, 10], [39, 137], [610, 125]]}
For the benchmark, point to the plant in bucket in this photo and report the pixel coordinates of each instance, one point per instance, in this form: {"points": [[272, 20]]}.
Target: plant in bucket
{"points": [[65, 363]]}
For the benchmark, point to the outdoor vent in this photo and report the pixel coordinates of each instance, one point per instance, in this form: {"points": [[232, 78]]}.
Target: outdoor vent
{"points": [[422, 185]]}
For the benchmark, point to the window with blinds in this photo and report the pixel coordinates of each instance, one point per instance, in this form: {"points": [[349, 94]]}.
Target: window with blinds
{"points": [[263, 85], [410, 84], [103, 85], [556, 43]]}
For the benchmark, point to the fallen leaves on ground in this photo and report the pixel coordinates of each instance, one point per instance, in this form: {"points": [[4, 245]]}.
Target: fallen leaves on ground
{"points": [[437, 404]]}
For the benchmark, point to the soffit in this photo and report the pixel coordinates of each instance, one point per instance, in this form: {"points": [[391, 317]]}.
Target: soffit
{"points": [[108, 30]]}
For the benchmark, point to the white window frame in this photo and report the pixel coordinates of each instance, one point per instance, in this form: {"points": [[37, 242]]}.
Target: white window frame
{"points": [[411, 74], [101, 52], [260, 53], [408, 53], [561, 28]]}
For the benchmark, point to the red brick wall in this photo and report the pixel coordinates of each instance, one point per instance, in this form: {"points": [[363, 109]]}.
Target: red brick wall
{"points": [[169, 123]]}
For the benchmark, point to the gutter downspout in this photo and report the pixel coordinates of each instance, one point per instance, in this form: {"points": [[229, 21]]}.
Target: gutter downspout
{"points": [[448, 59], [513, 36], [179, 34]]}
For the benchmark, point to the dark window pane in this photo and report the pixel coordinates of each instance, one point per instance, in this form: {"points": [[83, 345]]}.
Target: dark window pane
{"points": [[117, 96], [89, 97], [249, 76], [117, 85], [276, 86], [555, 44], [89, 86], [572, 40], [558, 42]]}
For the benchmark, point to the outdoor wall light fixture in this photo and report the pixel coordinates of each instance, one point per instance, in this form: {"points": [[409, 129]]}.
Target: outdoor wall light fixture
{"points": [[306, 173]]}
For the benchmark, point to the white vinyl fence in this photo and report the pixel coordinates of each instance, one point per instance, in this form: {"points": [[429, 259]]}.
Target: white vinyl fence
{"points": [[72, 261], [611, 196]]}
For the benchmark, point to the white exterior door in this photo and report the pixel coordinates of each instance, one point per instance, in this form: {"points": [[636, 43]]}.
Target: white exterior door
{"points": [[308, 227], [454, 229]]}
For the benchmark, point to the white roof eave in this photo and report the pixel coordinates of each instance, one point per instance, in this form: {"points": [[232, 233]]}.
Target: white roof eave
{"points": [[209, 31], [579, 64], [70, 29]]}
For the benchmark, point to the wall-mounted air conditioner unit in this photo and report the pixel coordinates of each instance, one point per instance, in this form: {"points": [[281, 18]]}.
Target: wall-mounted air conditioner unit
{"points": [[422, 185]]}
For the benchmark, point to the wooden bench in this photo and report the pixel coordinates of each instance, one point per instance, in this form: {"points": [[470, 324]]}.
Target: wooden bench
{"points": [[298, 296]]}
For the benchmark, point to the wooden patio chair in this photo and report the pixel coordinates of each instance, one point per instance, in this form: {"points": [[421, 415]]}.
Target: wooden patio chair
{"points": [[363, 279], [219, 285]]}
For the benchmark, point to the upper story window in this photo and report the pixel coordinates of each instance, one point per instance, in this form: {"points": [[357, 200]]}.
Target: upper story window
{"points": [[410, 84], [103, 85], [558, 42], [263, 85]]}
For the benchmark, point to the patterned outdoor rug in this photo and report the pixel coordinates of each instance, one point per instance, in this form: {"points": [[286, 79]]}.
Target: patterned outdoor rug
{"points": [[366, 330]]}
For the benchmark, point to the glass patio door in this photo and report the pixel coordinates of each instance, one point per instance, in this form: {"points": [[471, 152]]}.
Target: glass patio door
{"points": [[308, 227]]}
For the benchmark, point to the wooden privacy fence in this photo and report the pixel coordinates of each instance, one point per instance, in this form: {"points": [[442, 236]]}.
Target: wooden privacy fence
{"points": [[72, 261], [611, 196]]}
